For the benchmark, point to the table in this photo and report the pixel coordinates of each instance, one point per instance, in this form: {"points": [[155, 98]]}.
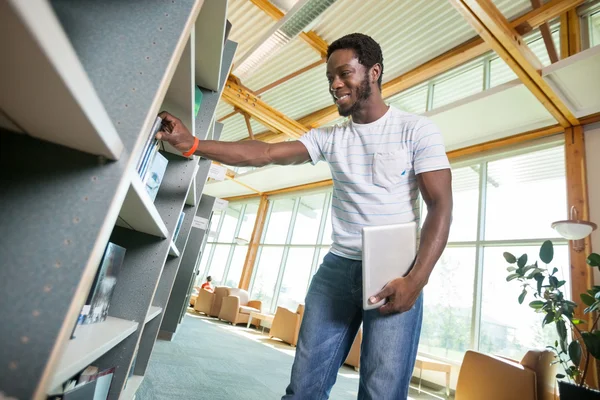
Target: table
{"points": [[260, 317], [433, 365]]}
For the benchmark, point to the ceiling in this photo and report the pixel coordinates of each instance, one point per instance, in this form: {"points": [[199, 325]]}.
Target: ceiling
{"points": [[410, 33]]}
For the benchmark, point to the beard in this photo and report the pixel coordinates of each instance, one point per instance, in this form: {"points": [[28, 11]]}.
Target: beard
{"points": [[362, 95]]}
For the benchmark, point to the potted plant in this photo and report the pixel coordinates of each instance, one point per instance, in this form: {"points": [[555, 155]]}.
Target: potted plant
{"points": [[541, 281]]}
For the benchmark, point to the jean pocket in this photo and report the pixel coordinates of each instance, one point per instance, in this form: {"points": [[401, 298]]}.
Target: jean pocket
{"points": [[389, 169]]}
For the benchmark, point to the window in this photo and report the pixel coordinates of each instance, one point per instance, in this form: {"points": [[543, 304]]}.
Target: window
{"points": [[463, 84], [413, 100], [296, 237], [594, 24], [465, 300], [224, 254]]}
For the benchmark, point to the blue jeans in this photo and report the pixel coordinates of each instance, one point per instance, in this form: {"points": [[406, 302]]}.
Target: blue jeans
{"points": [[333, 314]]}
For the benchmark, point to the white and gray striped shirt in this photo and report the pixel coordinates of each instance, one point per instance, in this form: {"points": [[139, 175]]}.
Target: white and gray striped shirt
{"points": [[374, 168]]}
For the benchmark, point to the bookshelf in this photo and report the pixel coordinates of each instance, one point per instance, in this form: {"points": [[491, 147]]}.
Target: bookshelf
{"points": [[92, 75]]}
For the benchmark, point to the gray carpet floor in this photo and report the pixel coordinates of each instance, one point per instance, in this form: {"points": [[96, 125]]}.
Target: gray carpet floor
{"points": [[210, 359]]}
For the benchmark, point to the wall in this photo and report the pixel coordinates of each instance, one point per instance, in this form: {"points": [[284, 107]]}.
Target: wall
{"points": [[592, 154]]}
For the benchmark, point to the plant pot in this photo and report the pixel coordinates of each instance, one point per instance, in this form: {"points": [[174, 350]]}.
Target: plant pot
{"points": [[570, 391]]}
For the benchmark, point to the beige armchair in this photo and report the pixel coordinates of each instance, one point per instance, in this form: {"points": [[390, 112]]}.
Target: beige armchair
{"points": [[236, 307], [204, 301], [286, 324], [353, 358], [494, 378]]}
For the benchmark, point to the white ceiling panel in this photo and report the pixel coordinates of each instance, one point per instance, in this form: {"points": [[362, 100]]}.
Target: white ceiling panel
{"points": [[570, 79], [278, 177], [302, 95], [226, 188], [503, 111], [292, 57], [248, 25]]}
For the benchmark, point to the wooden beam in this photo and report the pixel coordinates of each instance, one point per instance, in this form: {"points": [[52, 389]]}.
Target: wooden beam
{"points": [[505, 142], [259, 224], [570, 34], [290, 76], [453, 58], [311, 38], [577, 196], [590, 119], [261, 111], [547, 12], [546, 35], [307, 186], [249, 126], [231, 114], [493, 28]]}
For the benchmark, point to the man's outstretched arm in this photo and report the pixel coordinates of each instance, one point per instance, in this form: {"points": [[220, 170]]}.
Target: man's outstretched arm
{"points": [[252, 153], [436, 189]]}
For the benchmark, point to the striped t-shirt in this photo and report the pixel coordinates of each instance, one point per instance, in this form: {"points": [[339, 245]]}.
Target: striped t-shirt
{"points": [[374, 169]]}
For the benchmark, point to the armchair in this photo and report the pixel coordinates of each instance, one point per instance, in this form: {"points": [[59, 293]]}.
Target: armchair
{"points": [[204, 301], [286, 324], [236, 307], [494, 378]]}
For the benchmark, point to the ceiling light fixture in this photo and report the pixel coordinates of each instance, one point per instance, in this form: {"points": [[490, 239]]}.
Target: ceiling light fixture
{"points": [[574, 229], [300, 17]]}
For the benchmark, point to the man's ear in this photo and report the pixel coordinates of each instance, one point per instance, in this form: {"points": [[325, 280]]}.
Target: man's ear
{"points": [[375, 73]]}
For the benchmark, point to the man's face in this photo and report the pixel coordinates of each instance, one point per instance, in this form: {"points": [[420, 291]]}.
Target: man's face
{"points": [[348, 81]]}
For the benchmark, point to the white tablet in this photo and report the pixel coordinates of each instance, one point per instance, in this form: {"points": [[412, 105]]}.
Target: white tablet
{"points": [[388, 253]]}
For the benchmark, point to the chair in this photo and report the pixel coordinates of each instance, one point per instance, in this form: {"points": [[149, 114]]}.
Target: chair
{"points": [[236, 307], [286, 324], [204, 301], [494, 378], [353, 358]]}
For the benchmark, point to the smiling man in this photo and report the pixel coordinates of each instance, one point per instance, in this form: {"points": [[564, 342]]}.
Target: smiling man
{"points": [[380, 159]]}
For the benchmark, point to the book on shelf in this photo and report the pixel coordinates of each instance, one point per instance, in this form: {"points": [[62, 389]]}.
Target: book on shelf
{"points": [[197, 100], [98, 301], [89, 384], [178, 226], [155, 175], [149, 147]]}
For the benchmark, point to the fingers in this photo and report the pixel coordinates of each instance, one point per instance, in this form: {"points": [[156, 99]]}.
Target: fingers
{"points": [[166, 117], [386, 292]]}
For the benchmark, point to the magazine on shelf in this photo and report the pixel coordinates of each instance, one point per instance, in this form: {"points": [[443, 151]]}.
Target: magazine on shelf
{"points": [[178, 227], [98, 300], [155, 175], [151, 142]]}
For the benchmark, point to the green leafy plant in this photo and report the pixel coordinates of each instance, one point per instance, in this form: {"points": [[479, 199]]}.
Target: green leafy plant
{"points": [[547, 289]]}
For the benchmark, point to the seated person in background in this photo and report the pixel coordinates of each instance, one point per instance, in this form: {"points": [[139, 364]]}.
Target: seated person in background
{"points": [[207, 285]]}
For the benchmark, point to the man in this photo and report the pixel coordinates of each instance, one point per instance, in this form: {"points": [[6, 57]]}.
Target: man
{"points": [[378, 160]]}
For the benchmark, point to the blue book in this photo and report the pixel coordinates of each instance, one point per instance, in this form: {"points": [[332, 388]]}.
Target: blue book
{"points": [[155, 174]]}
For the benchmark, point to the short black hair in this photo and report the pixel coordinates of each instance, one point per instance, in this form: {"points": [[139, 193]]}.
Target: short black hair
{"points": [[209, 278], [366, 48]]}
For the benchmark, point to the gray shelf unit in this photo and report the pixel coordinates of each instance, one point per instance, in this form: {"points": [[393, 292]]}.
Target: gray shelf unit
{"points": [[59, 206], [181, 286]]}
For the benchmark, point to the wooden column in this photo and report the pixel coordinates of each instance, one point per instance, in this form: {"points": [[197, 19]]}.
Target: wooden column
{"points": [[261, 217], [577, 195]]}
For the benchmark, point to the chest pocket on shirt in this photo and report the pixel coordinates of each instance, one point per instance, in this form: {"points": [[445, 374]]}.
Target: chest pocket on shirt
{"points": [[389, 169]]}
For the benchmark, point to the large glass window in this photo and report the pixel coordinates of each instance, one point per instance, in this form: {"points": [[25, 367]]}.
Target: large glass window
{"points": [[224, 254], [294, 241], [594, 23], [448, 305], [266, 273], [467, 302]]}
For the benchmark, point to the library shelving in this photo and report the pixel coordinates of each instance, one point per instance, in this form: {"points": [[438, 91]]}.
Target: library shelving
{"points": [[86, 79]]}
